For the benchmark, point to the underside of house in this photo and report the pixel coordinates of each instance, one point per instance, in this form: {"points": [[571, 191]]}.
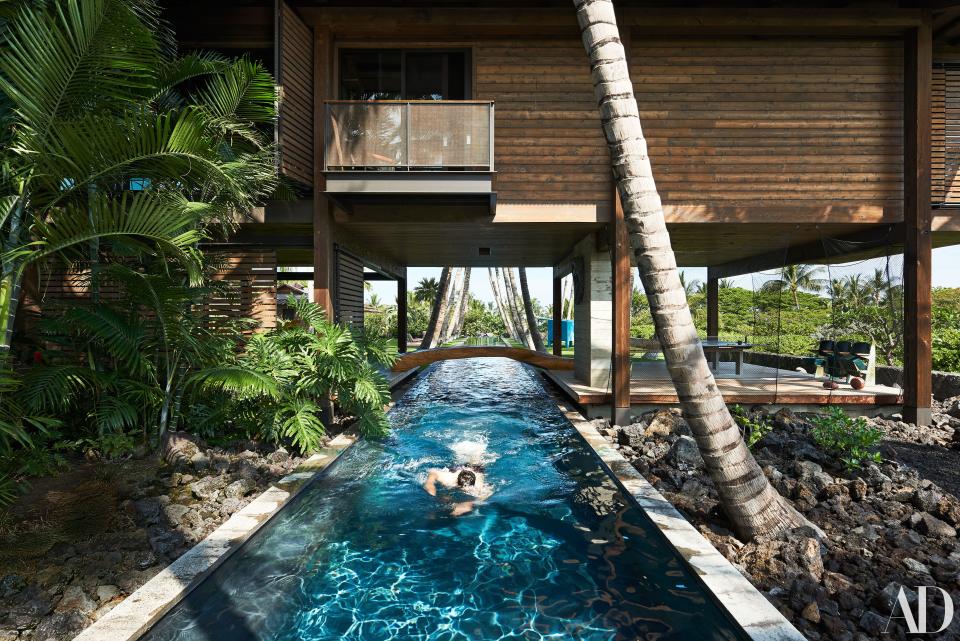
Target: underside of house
{"points": [[444, 133]]}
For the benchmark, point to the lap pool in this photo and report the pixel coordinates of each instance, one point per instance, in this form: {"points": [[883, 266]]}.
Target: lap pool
{"points": [[365, 553]]}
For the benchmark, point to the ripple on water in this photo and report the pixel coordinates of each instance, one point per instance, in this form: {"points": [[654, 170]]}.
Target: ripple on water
{"points": [[365, 553]]}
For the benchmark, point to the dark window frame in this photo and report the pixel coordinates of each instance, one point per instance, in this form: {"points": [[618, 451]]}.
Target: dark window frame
{"points": [[404, 51]]}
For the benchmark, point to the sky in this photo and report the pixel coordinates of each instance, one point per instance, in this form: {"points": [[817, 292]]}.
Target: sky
{"points": [[946, 273]]}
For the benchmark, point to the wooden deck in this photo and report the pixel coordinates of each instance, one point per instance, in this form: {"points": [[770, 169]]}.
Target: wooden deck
{"points": [[650, 385]]}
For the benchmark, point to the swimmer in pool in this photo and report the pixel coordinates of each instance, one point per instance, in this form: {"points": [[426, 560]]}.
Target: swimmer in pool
{"points": [[469, 480]]}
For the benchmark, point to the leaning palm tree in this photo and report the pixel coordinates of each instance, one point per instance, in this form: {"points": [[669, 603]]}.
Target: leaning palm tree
{"points": [[464, 303], [796, 279], [501, 303], [516, 305], [746, 495], [528, 311], [439, 312]]}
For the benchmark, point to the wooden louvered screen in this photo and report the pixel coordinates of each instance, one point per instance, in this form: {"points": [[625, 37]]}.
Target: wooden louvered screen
{"points": [[348, 296], [252, 276], [295, 77], [945, 135]]}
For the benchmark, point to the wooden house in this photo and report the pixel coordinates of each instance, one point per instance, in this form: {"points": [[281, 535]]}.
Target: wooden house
{"points": [[450, 132]]}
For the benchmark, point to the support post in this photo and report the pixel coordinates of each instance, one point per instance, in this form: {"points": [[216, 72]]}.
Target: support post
{"points": [[620, 256], [917, 358], [713, 304], [402, 313], [322, 216], [557, 337]]}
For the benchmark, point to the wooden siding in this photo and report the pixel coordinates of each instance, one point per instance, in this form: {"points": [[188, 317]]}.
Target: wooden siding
{"points": [[348, 295], [945, 135], [778, 125], [252, 276], [773, 122], [549, 147], [295, 76]]}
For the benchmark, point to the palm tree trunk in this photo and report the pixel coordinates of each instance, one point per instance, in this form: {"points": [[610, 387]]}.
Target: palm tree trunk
{"points": [[528, 309], [751, 503], [439, 311], [513, 299], [464, 302], [453, 307], [498, 298]]}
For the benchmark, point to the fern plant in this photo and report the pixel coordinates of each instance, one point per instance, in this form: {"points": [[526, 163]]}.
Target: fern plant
{"points": [[284, 378]]}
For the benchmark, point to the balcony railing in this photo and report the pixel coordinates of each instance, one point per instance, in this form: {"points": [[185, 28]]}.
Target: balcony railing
{"points": [[431, 135]]}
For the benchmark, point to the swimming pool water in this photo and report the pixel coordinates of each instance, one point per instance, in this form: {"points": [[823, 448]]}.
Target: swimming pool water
{"points": [[365, 553]]}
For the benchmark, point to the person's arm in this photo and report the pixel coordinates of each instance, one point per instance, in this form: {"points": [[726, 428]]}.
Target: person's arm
{"points": [[430, 485], [459, 509]]}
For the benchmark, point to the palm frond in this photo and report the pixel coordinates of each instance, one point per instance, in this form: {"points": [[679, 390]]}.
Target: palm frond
{"points": [[168, 224], [51, 388], [242, 381], [114, 414], [70, 56]]}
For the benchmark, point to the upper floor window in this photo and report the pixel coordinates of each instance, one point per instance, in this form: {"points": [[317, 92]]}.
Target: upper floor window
{"points": [[404, 74]]}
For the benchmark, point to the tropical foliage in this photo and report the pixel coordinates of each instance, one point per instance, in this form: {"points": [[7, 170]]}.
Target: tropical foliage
{"points": [[117, 158], [282, 384], [107, 151], [785, 318]]}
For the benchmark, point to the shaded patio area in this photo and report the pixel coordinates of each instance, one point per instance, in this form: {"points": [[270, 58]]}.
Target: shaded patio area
{"points": [[650, 385]]}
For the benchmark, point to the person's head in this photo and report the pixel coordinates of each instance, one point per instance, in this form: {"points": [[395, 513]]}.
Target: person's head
{"points": [[466, 478]]}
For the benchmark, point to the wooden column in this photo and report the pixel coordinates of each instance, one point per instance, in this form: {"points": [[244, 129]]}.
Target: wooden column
{"points": [[402, 314], [322, 216], [713, 304], [917, 365], [557, 337], [620, 255]]}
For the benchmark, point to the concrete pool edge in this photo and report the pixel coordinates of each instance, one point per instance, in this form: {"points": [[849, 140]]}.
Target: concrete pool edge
{"points": [[138, 612], [735, 593]]}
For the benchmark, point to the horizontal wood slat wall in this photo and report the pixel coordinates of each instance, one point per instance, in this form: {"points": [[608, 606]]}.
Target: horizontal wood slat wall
{"points": [[295, 77], [252, 274], [767, 122], [945, 135], [549, 147], [348, 293]]}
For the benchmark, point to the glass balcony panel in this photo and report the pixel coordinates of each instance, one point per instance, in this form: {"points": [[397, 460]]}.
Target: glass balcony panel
{"points": [[418, 136], [366, 135]]}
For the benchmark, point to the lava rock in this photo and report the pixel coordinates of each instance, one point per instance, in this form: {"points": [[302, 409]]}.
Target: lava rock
{"points": [[928, 524], [631, 435], [684, 454], [239, 488]]}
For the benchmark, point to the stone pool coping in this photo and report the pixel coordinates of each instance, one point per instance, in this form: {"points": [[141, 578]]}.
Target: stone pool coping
{"points": [[138, 612], [734, 592]]}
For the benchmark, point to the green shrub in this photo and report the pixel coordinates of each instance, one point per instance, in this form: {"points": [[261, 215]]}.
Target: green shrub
{"points": [[280, 383], [752, 429], [850, 440]]}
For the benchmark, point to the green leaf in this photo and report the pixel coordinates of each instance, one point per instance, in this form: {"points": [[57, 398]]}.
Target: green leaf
{"points": [[242, 381]]}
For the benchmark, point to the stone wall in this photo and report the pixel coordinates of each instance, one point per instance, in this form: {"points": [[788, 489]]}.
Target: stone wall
{"points": [[945, 384]]}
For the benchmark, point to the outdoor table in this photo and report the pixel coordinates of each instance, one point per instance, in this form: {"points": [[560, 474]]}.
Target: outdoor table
{"points": [[714, 347]]}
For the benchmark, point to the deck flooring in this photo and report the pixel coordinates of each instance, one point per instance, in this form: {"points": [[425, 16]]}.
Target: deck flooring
{"points": [[650, 385]]}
